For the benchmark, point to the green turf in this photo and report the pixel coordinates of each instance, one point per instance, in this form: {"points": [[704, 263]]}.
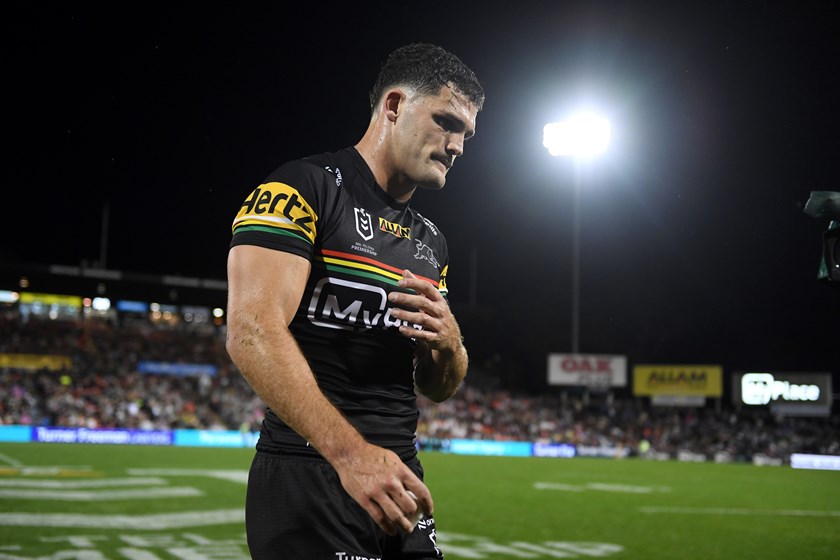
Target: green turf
{"points": [[486, 507]]}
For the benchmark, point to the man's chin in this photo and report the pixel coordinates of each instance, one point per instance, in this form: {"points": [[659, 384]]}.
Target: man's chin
{"points": [[432, 183], [431, 186]]}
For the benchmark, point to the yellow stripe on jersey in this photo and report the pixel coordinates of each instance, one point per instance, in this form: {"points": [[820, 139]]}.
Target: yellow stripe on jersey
{"points": [[360, 266]]}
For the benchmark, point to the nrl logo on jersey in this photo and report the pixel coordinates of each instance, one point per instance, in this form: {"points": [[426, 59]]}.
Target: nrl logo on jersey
{"points": [[364, 224]]}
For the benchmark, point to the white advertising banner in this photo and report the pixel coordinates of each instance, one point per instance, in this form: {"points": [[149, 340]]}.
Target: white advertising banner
{"points": [[589, 370]]}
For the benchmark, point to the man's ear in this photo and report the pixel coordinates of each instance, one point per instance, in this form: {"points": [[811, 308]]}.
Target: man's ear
{"points": [[393, 102]]}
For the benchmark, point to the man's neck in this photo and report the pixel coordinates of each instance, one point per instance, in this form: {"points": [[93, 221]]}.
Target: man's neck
{"points": [[378, 160]]}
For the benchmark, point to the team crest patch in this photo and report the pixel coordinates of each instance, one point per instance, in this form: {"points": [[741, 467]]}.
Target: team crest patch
{"points": [[424, 252]]}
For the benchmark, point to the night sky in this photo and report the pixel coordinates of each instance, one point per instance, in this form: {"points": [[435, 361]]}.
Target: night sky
{"points": [[694, 245]]}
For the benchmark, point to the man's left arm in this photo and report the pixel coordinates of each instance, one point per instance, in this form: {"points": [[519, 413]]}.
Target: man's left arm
{"points": [[441, 356]]}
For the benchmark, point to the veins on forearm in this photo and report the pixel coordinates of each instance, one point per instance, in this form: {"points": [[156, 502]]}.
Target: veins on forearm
{"points": [[438, 377]]}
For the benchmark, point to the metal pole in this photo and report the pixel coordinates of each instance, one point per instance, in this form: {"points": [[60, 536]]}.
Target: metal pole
{"points": [[103, 239], [576, 261]]}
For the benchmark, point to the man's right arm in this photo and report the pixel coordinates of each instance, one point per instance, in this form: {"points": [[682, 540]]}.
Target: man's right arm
{"points": [[265, 287]]}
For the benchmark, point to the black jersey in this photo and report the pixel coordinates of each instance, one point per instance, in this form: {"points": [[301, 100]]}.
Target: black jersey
{"points": [[329, 209]]}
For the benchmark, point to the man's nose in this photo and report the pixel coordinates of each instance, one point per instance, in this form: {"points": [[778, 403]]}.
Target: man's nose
{"points": [[455, 144]]}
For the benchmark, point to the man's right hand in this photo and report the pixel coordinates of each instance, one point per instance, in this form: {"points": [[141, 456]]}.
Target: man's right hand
{"points": [[378, 480]]}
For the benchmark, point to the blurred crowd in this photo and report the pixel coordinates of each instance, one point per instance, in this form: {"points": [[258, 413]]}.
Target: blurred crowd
{"points": [[629, 426], [104, 388]]}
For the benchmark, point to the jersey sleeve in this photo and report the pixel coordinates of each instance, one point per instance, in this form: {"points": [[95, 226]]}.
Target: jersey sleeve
{"points": [[442, 288], [283, 212]]}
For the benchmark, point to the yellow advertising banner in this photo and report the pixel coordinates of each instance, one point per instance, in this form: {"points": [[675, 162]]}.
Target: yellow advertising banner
{"points": [[681, 380], [50, 299], [35, 361]]}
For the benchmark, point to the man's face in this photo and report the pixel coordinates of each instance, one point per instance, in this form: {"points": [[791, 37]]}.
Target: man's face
{"points": [[432, 132]]}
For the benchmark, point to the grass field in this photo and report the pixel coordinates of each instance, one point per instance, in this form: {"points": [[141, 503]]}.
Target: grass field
{"points": [[93, 502]]}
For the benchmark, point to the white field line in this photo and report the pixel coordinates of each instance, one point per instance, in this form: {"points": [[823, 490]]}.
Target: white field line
{"points": [[61, 470], [601, 487], [100, 495], [53, 469], [155, 522], [741, 511], [68, 484], [240, 476], [626, 488], [11, 461], [558, 486]]}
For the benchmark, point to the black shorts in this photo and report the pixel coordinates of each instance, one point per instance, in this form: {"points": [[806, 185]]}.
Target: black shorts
{"points": [[297, 508]]}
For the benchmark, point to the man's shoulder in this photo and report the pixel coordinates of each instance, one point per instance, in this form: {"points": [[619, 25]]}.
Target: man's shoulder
{"points": [[312, 166], [433, 229], [327, 158]]}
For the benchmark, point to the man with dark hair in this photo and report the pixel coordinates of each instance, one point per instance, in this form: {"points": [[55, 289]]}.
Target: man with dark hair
{"points": [[337, 313], [425, 67]]}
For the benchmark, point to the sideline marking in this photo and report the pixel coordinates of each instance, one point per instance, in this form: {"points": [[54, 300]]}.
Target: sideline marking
{"points": [[741, 511], [201, 548], [601, 486], [479, 547], [55, 470], [100, 495], [11, 461], [78, 470], [154, 522], [30, 483], [231, 475], [557, 486]]}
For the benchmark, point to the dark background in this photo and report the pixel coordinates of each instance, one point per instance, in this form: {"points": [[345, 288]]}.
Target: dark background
{"points": [[694, 245]]}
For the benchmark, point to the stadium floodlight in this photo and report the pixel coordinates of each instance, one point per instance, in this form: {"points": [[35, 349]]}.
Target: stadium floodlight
{"points": [[582, 134], [7, 296]]}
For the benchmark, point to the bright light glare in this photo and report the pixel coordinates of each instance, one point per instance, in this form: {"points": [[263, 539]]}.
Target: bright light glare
{"points": [[583, 134]]}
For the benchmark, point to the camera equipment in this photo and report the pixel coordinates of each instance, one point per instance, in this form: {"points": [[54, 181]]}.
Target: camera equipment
{"points": [[826, 204]]}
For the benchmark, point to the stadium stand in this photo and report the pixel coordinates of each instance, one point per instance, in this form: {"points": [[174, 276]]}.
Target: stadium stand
{"points": [[107, 383]]}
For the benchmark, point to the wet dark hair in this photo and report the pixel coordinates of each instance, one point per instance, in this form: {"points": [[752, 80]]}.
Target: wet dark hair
{"points": [[426, 67]]}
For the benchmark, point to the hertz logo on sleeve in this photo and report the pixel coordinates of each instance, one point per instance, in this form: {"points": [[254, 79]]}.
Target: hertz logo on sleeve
{"points": [[277, 208], [394, 229]]}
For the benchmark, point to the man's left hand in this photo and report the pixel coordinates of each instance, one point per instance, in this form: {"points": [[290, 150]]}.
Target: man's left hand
{"points": [[439, 331]]}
